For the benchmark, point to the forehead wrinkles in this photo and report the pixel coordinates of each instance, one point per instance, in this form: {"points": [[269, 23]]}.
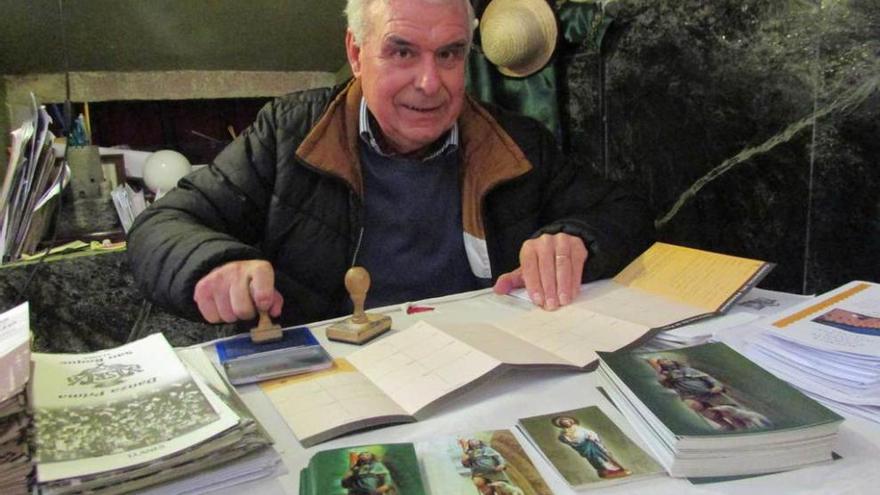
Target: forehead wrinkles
{"points": [[408, 23]]}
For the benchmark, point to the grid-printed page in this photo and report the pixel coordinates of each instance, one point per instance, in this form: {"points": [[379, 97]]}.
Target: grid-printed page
{"points": [[317, 402], [573, 333], [421, 365]]}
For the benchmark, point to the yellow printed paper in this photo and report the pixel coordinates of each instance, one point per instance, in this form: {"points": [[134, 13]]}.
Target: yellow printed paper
{"points": [[699, 278]]}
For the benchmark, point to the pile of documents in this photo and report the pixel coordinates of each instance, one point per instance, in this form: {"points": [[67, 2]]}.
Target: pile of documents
{"points": [[139, 415], [15, 459], [707, 411], [829, 347], [754, 305], [33, 183]]}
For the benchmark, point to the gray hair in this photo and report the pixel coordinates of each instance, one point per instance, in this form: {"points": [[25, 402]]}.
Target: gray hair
{"points": [[358, 14]]}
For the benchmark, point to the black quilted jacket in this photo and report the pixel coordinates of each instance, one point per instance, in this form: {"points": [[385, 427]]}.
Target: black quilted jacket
{"points": [[288, 190]]}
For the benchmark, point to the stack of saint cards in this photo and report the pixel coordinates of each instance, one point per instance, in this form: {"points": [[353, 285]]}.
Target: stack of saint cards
{"points": [[588, 449], [297, 352], [488, 462], [707, 411], [15, 422]]}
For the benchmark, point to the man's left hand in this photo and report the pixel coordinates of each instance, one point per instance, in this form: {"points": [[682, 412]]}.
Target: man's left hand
{"points": [[550, 268]]}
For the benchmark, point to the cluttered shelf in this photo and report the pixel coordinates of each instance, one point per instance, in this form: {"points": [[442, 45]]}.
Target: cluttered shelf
{"points": [[60, 190]]}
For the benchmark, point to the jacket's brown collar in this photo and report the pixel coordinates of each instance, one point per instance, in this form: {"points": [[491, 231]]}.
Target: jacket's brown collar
{"points": [[489, 154], [490, 157], [332, 144]]}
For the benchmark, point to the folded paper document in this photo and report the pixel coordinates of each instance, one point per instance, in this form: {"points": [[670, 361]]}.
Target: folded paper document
{"points": [[400, 377]]}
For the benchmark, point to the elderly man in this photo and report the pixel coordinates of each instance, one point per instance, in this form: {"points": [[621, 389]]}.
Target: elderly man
{"points": [[398, 171]]}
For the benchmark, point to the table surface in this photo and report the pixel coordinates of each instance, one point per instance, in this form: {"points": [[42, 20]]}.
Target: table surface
{"points": [[498, 404]]}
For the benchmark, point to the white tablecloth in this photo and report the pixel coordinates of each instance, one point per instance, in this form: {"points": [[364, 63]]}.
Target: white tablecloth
{"points": [[500, 402]]}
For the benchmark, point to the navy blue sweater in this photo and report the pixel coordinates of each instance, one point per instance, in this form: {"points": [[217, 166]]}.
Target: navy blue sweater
{"points": [[412, 228]]}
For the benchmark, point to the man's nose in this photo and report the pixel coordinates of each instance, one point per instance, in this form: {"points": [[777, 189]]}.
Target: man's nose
{"points": [[428, 77]]}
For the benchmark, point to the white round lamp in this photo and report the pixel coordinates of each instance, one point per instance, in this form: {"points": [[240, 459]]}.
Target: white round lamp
{"points": [[163, 169]]}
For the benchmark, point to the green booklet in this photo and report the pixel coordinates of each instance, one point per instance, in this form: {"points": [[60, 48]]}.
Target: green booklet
{"points": [[588, 449], [366, 469], [490, 462], [699, 407]]}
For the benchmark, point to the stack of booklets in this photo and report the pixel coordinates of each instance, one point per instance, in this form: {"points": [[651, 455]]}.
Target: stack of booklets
{"points": [[829, 347], [707, 411], [491, 462], [138, 415], [15, 459]]}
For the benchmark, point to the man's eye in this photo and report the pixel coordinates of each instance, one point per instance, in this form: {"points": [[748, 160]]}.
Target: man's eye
{"points": [[403, 53], [450, 55]]}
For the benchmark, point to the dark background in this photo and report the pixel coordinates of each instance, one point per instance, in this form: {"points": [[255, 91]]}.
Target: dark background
{"points": [[762, 117]]}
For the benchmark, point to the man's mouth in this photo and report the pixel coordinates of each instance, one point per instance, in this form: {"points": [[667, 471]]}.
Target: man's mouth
{"points": [[422, 108]]}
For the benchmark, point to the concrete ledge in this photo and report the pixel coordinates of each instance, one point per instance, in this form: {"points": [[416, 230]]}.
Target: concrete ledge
{"points": [[161, 85]]}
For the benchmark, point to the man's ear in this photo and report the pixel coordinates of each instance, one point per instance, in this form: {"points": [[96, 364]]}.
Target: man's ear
{"points": [[353, 52]]}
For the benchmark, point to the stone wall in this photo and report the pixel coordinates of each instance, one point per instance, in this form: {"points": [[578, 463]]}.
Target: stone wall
{"points": [[752, 125], [86, 302]]}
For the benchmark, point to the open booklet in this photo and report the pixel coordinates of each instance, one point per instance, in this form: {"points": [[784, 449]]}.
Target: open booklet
{"points": [[397, 378], [484, 462], [669, 286]]}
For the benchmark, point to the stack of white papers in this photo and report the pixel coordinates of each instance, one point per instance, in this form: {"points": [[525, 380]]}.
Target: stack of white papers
{"points": [[15, 457], [698, 333], [829, 347], [754, 305]]}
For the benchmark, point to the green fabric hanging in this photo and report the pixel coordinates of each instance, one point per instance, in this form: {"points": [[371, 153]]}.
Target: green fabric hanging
{"points": [[534, 96], [581, 21]]}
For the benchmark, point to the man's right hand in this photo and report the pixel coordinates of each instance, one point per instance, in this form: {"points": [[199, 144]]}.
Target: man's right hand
{"points": [[237, 290]]}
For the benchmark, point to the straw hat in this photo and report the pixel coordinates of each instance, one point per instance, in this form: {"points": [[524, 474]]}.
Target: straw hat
{"points": [[518, 36]]}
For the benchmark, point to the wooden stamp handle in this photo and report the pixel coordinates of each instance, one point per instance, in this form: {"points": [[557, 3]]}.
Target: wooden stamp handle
{"points": [[357, 283], [265, 321]]}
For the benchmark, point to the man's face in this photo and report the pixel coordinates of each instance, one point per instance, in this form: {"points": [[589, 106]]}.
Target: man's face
{"points": [[411, 67]]}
